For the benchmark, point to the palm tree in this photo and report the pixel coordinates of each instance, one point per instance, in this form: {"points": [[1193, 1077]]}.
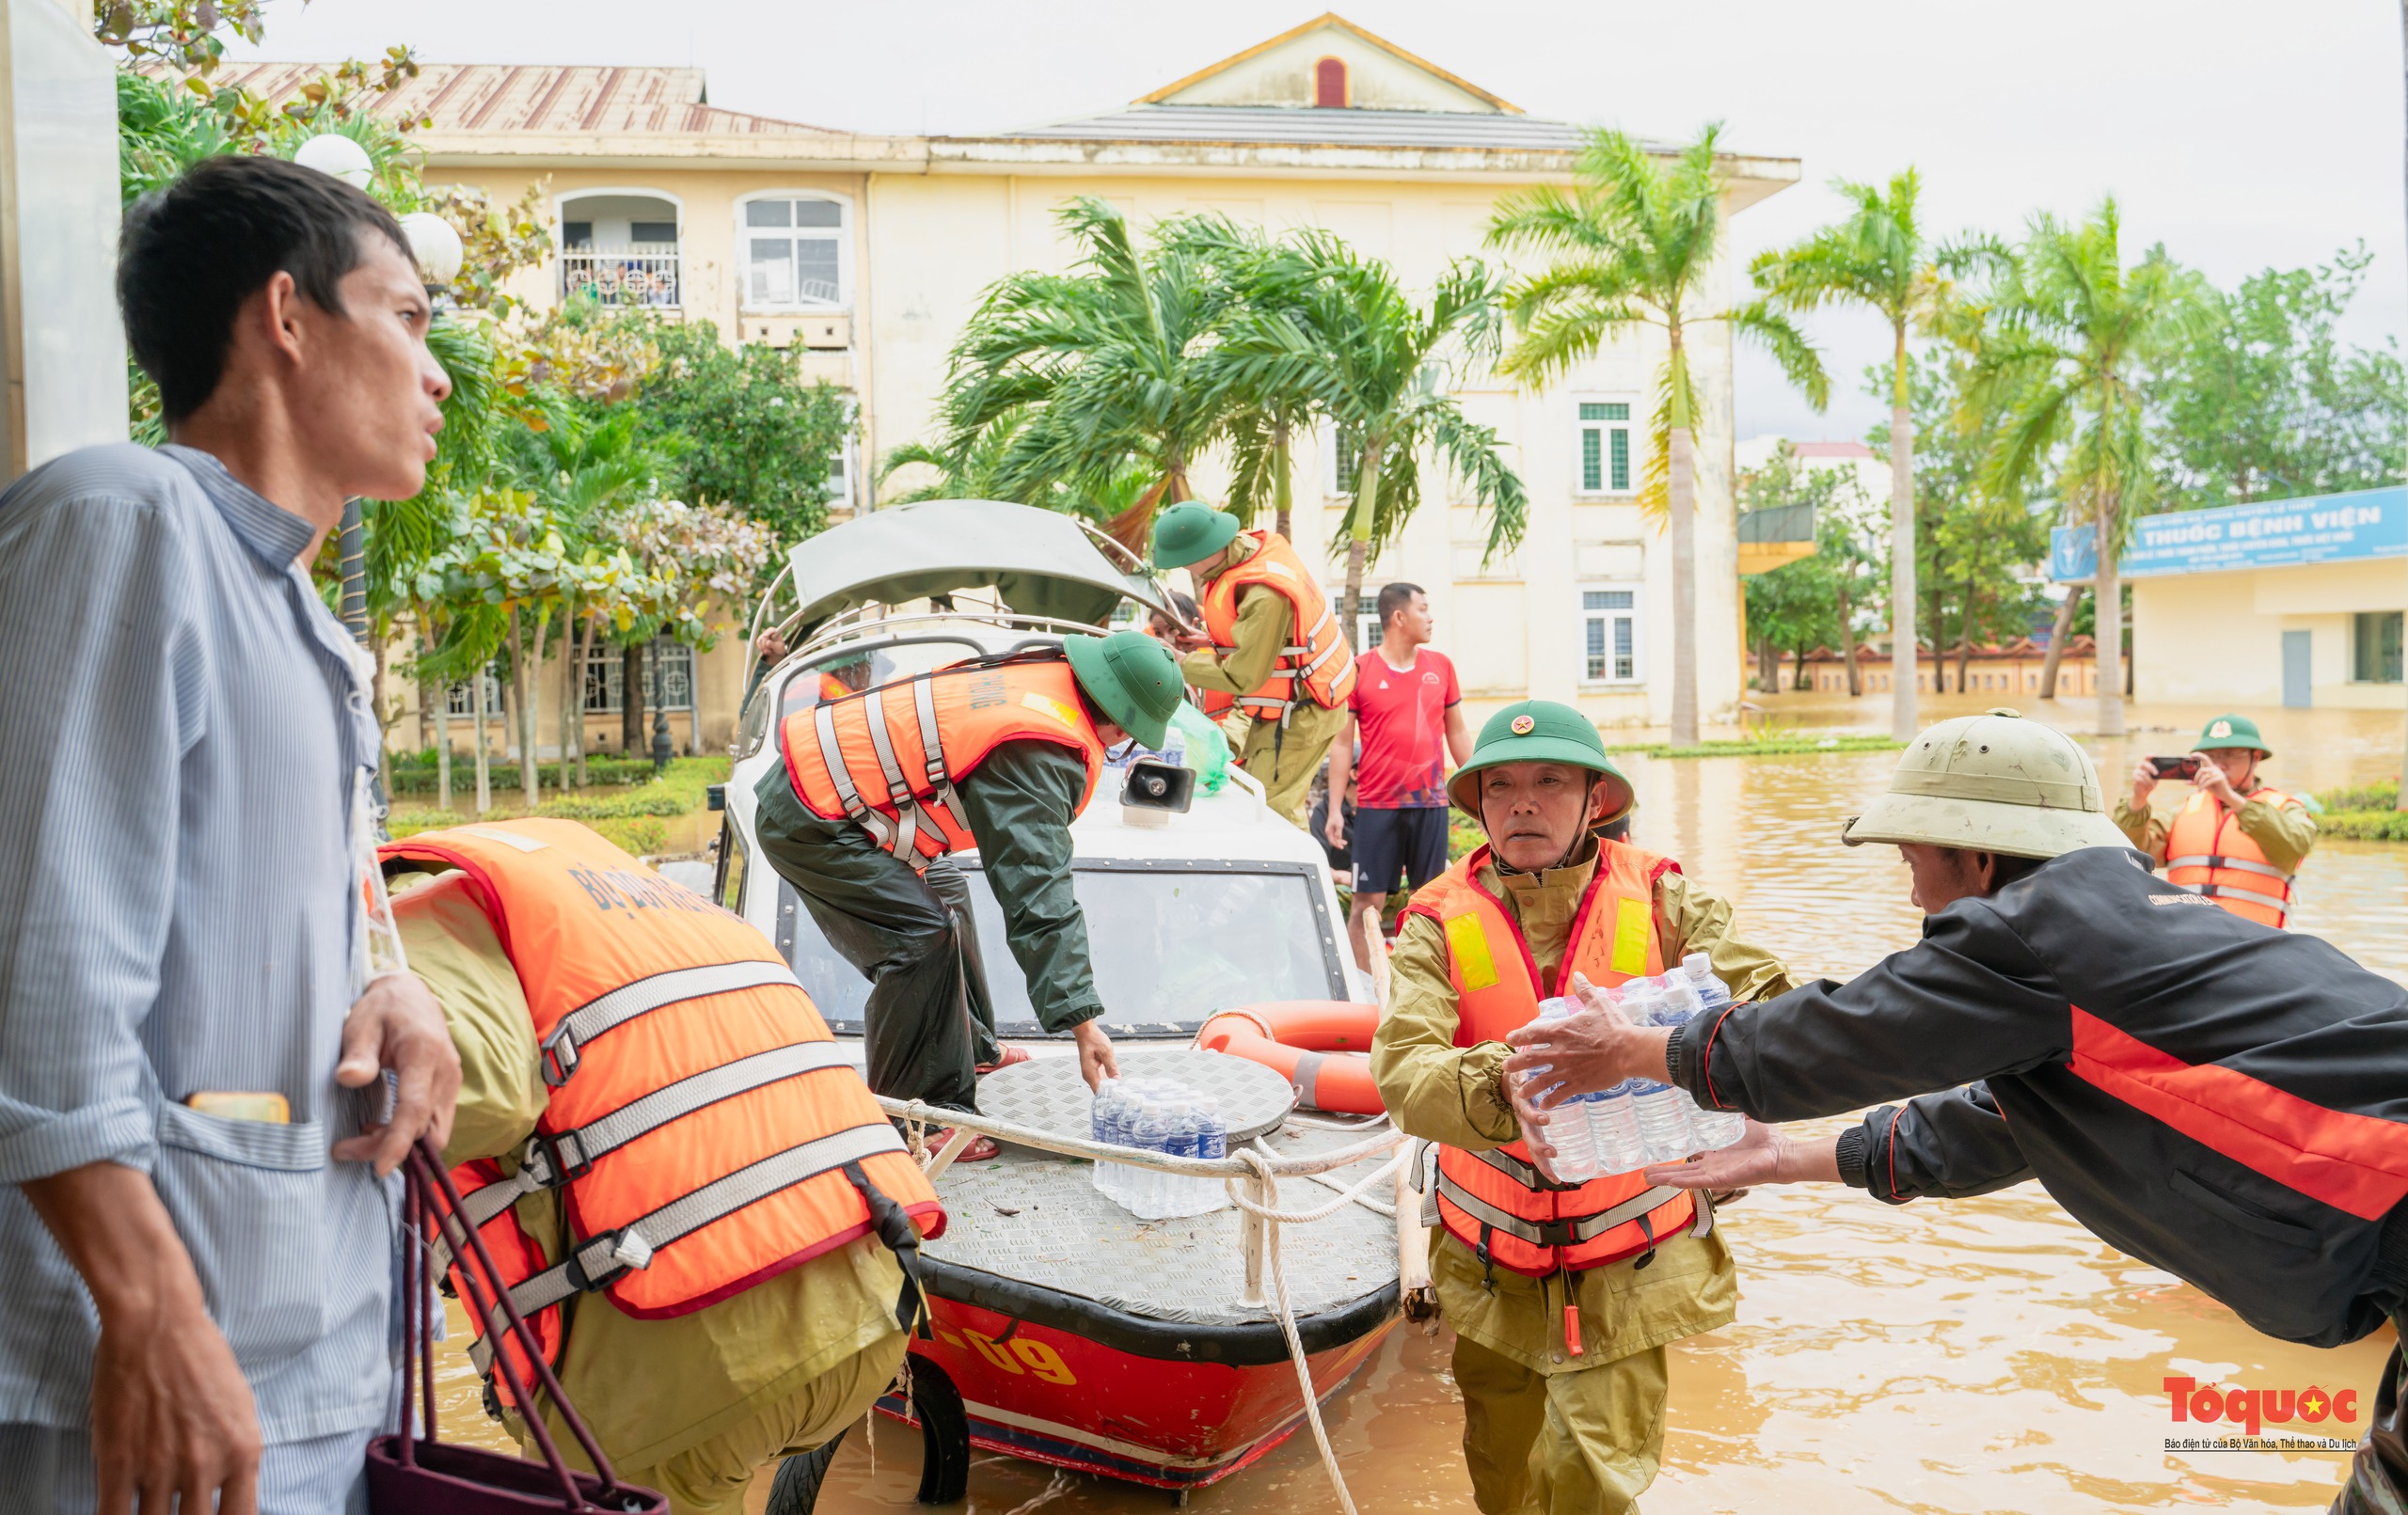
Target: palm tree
{"points": [[1878, 257], [2072, 331], [1630, 243], [1335, 334], [1089, 368]]}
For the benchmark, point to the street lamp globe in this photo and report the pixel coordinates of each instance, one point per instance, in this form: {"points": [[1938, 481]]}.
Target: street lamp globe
{"points": [[331, 153], [435, 246]]}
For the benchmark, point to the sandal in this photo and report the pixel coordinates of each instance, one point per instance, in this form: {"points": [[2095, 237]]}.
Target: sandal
{"points": [[1009, 1056], [981, 1149]]}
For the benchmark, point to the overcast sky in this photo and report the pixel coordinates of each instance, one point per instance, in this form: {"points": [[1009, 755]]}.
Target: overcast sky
{"points": [[2238, 135]]}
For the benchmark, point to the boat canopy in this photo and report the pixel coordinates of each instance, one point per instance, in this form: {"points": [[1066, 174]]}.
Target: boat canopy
{"points": [[1039, 562]]}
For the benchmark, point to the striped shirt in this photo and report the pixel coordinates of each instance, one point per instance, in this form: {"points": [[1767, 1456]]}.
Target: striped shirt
{"points": [[182, 723]]}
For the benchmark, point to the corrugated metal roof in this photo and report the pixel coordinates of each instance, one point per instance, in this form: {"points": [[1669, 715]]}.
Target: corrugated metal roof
{"points": [[540, 99], [1312, 127]]}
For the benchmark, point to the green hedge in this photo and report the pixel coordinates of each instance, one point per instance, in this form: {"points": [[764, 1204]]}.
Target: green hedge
{"points": [[415, 773], [630, 819], [1788, 744], [2365, 825], [2384, 796]]}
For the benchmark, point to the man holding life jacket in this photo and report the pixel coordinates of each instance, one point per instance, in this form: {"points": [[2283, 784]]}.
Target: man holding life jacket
{"points": [[1271, 651], [2237, 839], [627, 1046], [2219, 1100], [1562, 1298], [998, 753]]}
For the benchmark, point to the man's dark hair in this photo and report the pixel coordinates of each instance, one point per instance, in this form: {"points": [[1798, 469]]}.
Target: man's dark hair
{"points": [[1395, 597], [2005, 869], [192, 252]]}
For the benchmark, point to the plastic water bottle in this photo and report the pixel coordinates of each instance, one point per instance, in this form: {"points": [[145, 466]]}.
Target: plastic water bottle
{"points": [[1105, 1121], [1567, 1127], [1663, 1123], [1613, 1128], [1174, 746], [1153, 1134], [1710, 990], [1185, 1130], [1213, 1133], [1713, 1128]]}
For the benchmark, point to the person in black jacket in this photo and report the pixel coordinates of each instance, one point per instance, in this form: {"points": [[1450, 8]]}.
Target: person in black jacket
{"points": [[2219, 1099]]}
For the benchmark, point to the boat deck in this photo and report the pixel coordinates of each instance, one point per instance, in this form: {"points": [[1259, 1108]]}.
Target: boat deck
{"points": [[1037, 1216]]}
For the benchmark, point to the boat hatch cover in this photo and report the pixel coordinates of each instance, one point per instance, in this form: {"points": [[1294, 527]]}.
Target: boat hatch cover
{"points": [[1039, 562]]}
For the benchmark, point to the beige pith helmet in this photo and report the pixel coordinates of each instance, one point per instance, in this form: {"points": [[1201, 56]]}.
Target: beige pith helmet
{"points": [[1993, 782]]}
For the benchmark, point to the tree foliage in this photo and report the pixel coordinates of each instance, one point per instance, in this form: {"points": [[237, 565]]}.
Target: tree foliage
{"points": [[1820, 599], [743, 428], [2264, 401]]}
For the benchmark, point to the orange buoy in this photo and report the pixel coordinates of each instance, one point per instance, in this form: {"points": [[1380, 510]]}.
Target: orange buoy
{"points": [[1320, 1047]]}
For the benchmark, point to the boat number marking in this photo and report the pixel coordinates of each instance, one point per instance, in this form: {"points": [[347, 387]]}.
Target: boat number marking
{"points": [[1016, 1355]]}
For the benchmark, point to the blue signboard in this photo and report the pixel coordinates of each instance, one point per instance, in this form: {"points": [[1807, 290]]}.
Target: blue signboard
{"points": [[2277, 533]]}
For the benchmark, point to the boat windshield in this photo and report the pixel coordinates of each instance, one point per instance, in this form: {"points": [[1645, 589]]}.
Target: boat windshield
{"points": [[851, 669], [1171, 946]]}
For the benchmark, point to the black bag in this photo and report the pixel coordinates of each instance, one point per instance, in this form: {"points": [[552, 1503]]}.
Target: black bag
{"points": [[413, 1475]]}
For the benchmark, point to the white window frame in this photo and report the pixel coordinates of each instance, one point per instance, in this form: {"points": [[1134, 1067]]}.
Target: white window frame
{"points": [[1605, 428], [845, 233], [1336, 483], [568, 197], [1635, 615]]}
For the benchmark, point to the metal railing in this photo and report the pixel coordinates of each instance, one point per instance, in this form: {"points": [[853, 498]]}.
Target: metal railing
{"points": [[620, 278]]}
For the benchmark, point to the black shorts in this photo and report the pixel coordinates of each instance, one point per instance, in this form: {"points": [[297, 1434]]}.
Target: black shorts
{"points": [[1391, 844]]}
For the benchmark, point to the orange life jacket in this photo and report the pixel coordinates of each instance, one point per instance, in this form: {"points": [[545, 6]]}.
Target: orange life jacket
{"points": [[889, 757], [832, 688], [2207, 852], [1496, 1202], [1319, 655], [706, 1131]]}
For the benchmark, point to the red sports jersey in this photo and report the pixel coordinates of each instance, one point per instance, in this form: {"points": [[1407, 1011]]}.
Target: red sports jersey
{"points": [[1402, 718]]}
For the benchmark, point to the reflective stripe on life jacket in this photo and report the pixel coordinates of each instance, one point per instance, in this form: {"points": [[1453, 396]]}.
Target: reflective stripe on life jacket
{"points": [[1496, 1202], [703, 1128], [888, 758], [2208, 853], [1320, 655]]}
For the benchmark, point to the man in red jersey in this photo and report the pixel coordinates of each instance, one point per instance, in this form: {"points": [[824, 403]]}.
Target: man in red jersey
{"points": [[1405, 700]]}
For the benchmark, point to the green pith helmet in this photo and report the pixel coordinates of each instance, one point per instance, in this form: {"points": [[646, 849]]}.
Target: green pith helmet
{"points": [[1189, 532], [1132, 678], [1538, 731], [1993, 782], [2231, 731]]}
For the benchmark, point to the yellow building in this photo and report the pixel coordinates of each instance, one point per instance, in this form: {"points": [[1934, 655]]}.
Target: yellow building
{"points": [[869, 253]]}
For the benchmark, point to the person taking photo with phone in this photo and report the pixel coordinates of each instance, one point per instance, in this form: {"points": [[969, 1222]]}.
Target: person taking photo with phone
{"points": [[2237, 839]]}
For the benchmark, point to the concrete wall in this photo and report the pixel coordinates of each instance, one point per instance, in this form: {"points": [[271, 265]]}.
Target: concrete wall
{"points": [[2217, 638]]}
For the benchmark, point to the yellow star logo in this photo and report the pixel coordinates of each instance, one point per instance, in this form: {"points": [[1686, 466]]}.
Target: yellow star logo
{"points": [[2311, 1407]]}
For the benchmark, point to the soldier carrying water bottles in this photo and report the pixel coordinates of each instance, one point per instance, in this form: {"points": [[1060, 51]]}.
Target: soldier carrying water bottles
{"points": [[1562, 1296]]}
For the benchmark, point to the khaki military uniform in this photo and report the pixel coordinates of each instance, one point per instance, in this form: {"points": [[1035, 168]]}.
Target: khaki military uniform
{"points": [[694, 1405], [2285, 832], [1283, 755], [1543, 1429]]}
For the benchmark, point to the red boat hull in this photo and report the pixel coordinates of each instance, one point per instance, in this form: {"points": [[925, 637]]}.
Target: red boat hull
{"points": [[1148, 1407]]}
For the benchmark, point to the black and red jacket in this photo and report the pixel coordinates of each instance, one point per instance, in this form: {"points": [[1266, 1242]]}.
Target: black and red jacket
{"points": [[2216, 1098]]}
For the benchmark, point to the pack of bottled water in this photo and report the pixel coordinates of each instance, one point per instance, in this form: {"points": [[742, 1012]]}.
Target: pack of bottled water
{"points": [[1165, 1116], [1637, 1122]]}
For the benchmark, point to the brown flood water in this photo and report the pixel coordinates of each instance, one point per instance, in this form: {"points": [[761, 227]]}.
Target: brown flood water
{"points": [[1973, 1355]]}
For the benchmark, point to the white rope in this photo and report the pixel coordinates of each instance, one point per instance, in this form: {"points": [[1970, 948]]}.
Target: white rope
{"points": [[1356, 1192], [1274, 1218]]}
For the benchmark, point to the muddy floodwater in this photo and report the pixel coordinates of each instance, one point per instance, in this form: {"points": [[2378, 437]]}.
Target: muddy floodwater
{"points": [[1973, 1355]]}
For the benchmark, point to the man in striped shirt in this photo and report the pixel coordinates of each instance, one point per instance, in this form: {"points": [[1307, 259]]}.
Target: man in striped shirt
{"points": [[196, 1217]]}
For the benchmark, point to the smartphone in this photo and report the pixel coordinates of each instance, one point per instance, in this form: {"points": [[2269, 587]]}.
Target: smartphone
{"points": [[2186, 766]]}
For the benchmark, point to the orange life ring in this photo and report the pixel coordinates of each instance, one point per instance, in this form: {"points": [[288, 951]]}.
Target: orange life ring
{"points": [[1320, 1047]]}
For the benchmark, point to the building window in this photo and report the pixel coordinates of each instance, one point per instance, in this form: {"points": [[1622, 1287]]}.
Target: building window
{"points": [[1605, 447], [2374, 643], [668, 678], [1345, 456], [619, 247], [460, 700], [794, 252], [1610, 632], [1329, 83]]}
